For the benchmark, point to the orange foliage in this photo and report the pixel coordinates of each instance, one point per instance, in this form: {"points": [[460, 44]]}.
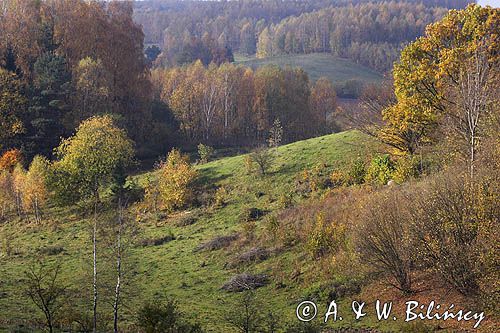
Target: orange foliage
{"points": [[10, 159]]}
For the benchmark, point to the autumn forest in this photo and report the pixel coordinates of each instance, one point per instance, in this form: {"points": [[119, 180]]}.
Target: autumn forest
{"points": [[214, 166]]}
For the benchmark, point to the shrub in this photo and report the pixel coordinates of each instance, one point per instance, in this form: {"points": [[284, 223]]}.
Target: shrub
{"points": [[255, 254], [325, 237], [380, 170], [51, 250], [245, 313], [408, 167], [261, 160], [205, 152], [316, 177], [175, 180], [337, 178], [272, 225], [249, 231], [383, 238], [456, 224], [286, 200], [404, 169], [189, 218], [160, 317], [249, 165], [152, 193], [221, 197], [357, 173]]}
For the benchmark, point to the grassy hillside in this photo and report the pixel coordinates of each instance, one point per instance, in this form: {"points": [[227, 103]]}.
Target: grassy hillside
{"points": [[175, 268], [336, 69]]}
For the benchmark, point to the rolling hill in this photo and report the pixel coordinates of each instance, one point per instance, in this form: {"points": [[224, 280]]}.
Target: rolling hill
{"points": [[336, 69], [157, 265]]}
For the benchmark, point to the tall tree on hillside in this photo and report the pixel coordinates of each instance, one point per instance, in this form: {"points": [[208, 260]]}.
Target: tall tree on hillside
{"points": [[452, 73], [88, 29], [87, 161]]}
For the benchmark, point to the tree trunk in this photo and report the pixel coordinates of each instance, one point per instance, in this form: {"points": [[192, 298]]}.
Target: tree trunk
{"points": [[116, 302], [94, 253]]}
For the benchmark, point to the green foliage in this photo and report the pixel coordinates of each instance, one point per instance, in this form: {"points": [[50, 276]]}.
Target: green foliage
{"points": [[205, 152], [162, 317], [406, 168], [92, 83], [455, 223], [260, 160], [357, 173], [89, 159], [193, 273], [49, 102], [325, 237], [380, 170]]}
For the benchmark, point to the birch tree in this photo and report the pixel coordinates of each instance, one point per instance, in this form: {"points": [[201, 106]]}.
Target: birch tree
{"points": [[87, 162]]}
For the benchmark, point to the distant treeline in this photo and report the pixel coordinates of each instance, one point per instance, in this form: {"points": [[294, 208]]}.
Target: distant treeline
{"points": [[370, 33], [366, 31], [234, 105]]}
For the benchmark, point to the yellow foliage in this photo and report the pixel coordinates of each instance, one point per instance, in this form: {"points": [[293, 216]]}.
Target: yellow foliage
{"points": [[175, 180], [221, 196], [325, 237], [34, 190], [337, 178]]}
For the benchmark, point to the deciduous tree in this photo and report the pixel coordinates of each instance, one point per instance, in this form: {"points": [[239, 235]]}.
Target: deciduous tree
{"points": [[87, 161]]}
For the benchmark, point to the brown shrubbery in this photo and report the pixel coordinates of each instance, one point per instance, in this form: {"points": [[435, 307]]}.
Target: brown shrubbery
{"points": [[456, 220], [383, 238], [445, 223]]}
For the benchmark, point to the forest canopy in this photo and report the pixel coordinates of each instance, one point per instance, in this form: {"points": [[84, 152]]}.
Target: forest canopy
{"points": [[368, 32]]}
